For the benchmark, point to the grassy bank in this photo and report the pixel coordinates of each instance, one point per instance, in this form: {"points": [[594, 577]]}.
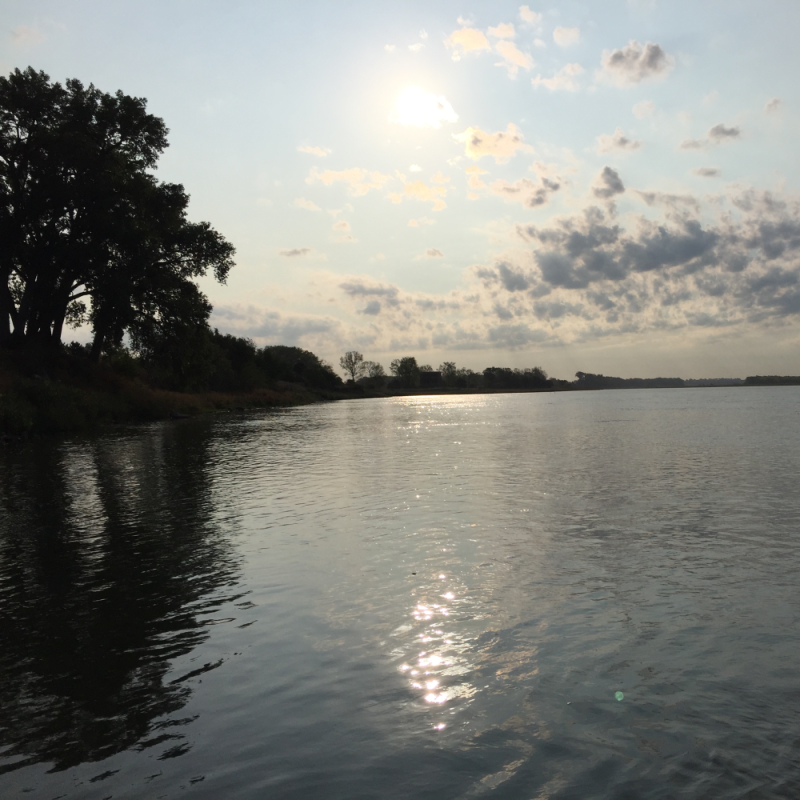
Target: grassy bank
{"points": [[45, 393]]}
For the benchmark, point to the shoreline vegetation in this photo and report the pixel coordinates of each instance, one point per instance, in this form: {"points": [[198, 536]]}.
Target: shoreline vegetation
{"points": [[47, 391]]}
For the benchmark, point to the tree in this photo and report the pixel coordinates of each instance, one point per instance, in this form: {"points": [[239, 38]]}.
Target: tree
{"points": [[352, 363], [449, 372], [374, 369], [82, 219], [406, 370]]}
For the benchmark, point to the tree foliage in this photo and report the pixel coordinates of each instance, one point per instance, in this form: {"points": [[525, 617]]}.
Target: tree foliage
{"points": [[352, 362], [406, 371], [88, 233]]}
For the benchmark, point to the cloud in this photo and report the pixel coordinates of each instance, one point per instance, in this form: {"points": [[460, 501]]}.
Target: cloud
{"points": [[373, 308], [720, 133], [415, 168], [278, 328], [773, 105], [616, 141], [415, 48], [607, 184], [308, 205], [564, 37], [341, 225], [359, 289], [633, 63], [296, 252], [389, 48], [24, 36], [707, 172], [643, 109], [315, 151], [415, 106], [359, 181], [439, 177], [467, 40], [525, 191], [432, 252], [716, 135], [419, 190], [513, 58], [505, 30], [562, 81], [474, 181], [501, 145], [531, 17], [417, 223], [512, 337], [423, 34]]}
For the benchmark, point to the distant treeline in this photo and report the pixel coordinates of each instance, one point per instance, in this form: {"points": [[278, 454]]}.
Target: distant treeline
{"points": [[773, 380], [587, 380]]}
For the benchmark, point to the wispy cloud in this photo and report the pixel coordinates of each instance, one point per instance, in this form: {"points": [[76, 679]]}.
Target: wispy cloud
{"points": [[565, 37], [315, 151], [563, 81], [502, 145], [467, 40], [359, 181], [421, 109], [607, 143]]}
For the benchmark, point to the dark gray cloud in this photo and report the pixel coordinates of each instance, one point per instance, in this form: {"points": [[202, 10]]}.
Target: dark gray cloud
{"points": [[372, 308], [635, 63], [512, 337], [531, 194], [693, 144], [720, 133], [358, 290], [296, 252], [607, 184], [513, 280], [274, 326]]}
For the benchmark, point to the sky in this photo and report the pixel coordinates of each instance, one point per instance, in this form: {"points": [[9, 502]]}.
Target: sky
{"points": [[610, 186]]}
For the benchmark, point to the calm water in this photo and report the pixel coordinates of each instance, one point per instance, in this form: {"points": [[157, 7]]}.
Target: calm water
{"points": [[585, 595]]}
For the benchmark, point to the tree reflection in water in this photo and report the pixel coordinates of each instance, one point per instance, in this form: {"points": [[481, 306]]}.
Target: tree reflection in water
{"points": [[108, 554]]}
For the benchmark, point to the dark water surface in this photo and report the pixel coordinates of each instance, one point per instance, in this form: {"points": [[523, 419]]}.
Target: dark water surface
{"points": [[410, 598]]}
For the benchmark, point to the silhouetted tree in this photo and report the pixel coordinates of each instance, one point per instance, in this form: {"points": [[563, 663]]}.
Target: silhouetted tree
{"points": [[82, 218], [374, 370], [406, 371], [352, 362]]}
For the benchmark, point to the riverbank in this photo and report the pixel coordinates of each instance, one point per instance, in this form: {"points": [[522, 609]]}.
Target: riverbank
{"points": [[48, 394]]}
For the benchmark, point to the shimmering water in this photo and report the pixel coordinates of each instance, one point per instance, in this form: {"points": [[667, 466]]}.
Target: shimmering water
{"points": [[587, 595]]}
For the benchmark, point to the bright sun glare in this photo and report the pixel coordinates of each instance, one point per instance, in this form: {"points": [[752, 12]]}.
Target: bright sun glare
{"points": [[423, 109]]}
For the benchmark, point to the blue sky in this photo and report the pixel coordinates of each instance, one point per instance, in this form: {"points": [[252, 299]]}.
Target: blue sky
{"points": [[604, 186]]}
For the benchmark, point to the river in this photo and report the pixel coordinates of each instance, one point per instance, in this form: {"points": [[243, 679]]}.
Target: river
{"points": [[566, 595]]}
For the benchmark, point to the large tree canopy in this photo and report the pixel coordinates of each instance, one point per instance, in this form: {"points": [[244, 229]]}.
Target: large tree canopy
{"points": [[83, 219]]}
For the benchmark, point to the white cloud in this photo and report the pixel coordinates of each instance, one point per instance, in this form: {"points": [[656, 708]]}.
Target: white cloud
{"points": [[418, 223], [531, 17], [415, 48], [501, 145], [423, 34], [562, 81], [415, 168], [416, 107], [635, 63], [513, 58], [341, 225], [505, 30], [314, 151], [564, 37], [419, 190], [24, 36], [308, 205], [606, 143], [359, 181], [389, 48], [644, 109], [467, 40]]}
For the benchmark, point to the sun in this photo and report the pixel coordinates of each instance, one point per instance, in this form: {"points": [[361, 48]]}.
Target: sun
{"points": [[415, 106]]}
